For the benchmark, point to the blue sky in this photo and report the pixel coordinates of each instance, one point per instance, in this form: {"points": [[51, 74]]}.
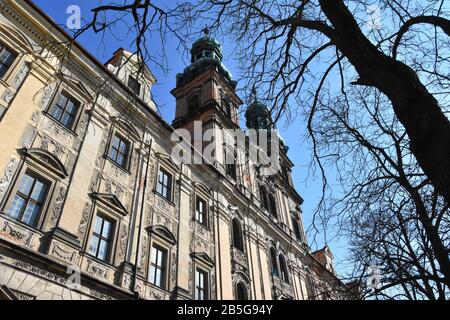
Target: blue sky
{"points": [[308, 186]]}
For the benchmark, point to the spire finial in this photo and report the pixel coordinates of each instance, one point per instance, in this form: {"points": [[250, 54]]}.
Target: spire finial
{"points": [[206, 30]]}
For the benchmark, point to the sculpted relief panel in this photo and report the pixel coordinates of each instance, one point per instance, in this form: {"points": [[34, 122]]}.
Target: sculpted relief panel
{"points": [[7, 176], [12, 232]]}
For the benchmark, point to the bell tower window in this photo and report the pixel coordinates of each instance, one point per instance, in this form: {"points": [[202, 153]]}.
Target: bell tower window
{"points": [[194, 103]]}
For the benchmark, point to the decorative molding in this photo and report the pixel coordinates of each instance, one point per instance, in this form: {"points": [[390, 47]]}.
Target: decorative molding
{"points": [[97, 270], [46, 159], [16, 234], [57, 206], [203, 257], [63, 252], [28, 267], [111, 201], [47, 95], [82, 228], [7, 175], [123, 240], [16, 83], [163, 233]]}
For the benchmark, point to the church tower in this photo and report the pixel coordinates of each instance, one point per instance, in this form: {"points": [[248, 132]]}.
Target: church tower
{"points": [[205, 90]]}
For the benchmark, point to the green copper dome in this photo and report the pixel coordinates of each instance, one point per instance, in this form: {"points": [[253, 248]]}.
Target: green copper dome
{"points": [[258, 116], [206, 53]]}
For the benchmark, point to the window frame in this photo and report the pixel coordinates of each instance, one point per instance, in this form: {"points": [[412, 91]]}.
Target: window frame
{"points": [[137, 82], [284, 270], [14, 62], [238, 243], [164, 270], [205, 214], [272, 202], [112, 235], [193, 97], [296, 227], [274, 270], [129, 145], [206, 281], [238, 286], [263, 197], [28, 199], [169, 187], [110, 240], [29, 165], [54, 100], [227, 108]]}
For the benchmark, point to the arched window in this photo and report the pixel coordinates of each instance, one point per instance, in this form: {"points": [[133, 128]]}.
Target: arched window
{"points": [[241, 292], [283, 269], [238, 242], [273, 262]]}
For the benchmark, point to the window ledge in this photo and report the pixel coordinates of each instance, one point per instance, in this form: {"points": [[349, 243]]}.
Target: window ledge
{"points": [[126, 171], [155, 287], [22, 224], [207, 227], [106, 264], [48, 115], [170, 202]]}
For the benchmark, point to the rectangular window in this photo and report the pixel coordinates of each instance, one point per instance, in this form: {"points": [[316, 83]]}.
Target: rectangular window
{"points": [[119, 150], [201, 285], [158, 267], [200, 211], [164, 186], [231, 171], [226, 108], [65, 109], [134, 85], [7, 58], [296, 228], [263, 197], [101, 238], [29, 199]]}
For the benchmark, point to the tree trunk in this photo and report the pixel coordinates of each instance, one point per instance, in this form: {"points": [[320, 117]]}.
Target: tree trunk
{"points": [[419, 112]]}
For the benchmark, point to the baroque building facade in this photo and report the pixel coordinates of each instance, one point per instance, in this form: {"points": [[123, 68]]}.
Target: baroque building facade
{"points": [[93, 206]]}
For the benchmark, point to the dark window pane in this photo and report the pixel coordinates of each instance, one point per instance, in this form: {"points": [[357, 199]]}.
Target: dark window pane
{"points": [[119, 151], [158, 266], [237, 236], [274, 263], [201, 285], [164, 185], [101, 237], [65, 109], [7, 58], [134, 85], [200, 211], [28, 201]]}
